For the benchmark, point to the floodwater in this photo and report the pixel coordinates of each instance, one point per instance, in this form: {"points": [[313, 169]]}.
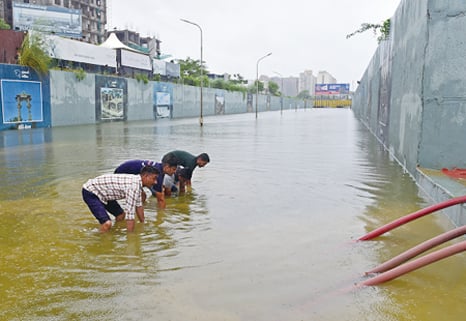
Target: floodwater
{"points": [[267, 233]]}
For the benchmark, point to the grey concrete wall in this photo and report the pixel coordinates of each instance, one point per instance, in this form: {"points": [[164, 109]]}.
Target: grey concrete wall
{"points": [[408, 42], [412, 93], [72, 101], [140, 101], [444, 87]]}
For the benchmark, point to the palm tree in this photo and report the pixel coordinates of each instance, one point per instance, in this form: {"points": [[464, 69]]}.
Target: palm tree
{"points": [[32, 55]]}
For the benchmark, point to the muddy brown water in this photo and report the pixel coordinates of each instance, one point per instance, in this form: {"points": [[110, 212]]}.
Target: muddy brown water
{"points": [[267, 233]]}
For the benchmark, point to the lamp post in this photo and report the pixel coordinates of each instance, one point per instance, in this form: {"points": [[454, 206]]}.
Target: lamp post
{"points": [[257, 77], [281, 91], [201, 121]]}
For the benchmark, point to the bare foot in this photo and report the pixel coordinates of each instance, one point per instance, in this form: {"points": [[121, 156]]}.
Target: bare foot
{"points": [[105, 227]]}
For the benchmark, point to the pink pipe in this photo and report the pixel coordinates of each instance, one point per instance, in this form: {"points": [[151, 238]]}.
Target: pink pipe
{"points": [[410, 217], [416, 264], [418, 249]]}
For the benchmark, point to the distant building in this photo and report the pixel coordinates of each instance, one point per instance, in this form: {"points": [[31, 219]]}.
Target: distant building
{"points": [[307, 81], [149, 45], [278, 81], [288, 86], [10, 41], [323, 77], [291, 86], [94, 15]]}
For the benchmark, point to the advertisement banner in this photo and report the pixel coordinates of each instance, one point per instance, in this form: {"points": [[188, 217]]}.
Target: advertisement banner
{"points": [[72, 50], [173, 70], [163, 100], [61, 21], [24, 98], [332, 89], [159, 67], [111, 96], [22, 101], [135, 60], [219, 104]]}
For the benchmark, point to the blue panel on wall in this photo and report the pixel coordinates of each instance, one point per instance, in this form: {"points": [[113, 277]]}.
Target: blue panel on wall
{"points": [[24, 98], [163, 100]]}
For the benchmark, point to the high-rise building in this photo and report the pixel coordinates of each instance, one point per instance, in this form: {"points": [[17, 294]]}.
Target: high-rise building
{"points": [[323, 77], [307, 81], [94, 15]]}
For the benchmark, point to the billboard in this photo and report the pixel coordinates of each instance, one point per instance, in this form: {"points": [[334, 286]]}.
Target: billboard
{"points": [[21, 101], [58, 20], [332, 89], [111, 94], [163, 99], [135, 60], [24, 98], [173, 70], [73, 50], [159, 67]]}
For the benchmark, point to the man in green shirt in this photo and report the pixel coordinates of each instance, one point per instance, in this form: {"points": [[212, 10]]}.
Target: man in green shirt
{"points": [[187, 163]]}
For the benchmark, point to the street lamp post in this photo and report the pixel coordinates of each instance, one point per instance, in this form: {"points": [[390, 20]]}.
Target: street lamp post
{"points": [[201, 120], [281, 91], [257, 77]]}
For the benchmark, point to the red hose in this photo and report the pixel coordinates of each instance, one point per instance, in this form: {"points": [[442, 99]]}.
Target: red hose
{"points": [[410, 217], [418, 249], [416, 264]]}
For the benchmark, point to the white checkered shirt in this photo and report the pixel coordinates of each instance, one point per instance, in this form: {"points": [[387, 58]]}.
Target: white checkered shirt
{"points": [[110, 187]]}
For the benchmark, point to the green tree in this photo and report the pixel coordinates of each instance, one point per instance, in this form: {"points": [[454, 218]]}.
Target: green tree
{"points": [[382, 30], [238, 79], [219, 83], [273, 88], [304, 94], [4, 25], [190, 72], [32, 55], [236, 87], [258, 86], [191, 67], [229, 85]]}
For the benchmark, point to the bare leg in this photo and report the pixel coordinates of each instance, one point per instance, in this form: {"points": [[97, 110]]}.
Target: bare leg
{"points": [[182, 185], [105, 227], [120, 217]]}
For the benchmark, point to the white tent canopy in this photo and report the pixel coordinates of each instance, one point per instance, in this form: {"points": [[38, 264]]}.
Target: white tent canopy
{"points": [[114, 43], [129, 57]]}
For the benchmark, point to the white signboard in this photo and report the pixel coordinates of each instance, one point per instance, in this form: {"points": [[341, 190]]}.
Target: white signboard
{"points": [[73, 50], [135, 60], [159, 67]]}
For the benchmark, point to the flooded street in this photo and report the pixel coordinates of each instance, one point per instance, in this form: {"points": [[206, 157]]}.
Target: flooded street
{"points": [[267, 233]]}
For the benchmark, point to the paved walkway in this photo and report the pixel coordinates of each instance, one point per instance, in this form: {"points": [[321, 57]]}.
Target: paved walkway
{"points": [[441, 187]]}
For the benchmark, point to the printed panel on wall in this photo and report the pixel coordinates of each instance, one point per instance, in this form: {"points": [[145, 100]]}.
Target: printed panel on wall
{"points": [[24, 98], [249, 108], [163, 102], [219, 104], [111, 94]]}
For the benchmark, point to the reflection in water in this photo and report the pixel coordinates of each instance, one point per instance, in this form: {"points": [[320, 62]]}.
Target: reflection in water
{"points": [[265, 233]]}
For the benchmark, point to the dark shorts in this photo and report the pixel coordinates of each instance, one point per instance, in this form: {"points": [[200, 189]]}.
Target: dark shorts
{"points": [[99, 209], [183, 172]]}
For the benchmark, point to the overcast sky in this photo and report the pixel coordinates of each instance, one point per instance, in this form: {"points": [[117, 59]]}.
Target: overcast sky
{"points": [[301, 34]]}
